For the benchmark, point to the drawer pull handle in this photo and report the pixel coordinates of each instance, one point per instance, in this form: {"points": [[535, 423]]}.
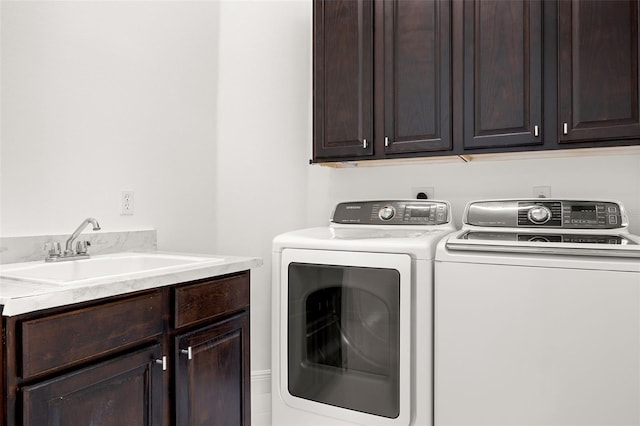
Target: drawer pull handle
{"points": [[187, 352], [162, 361]]}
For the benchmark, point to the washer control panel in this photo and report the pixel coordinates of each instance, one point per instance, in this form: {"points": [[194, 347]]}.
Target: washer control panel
{"points": [[394, 212], [546, 213]]}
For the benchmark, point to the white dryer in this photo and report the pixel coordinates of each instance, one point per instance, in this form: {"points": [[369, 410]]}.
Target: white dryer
{"points": [[537, 316], [352, 316]]}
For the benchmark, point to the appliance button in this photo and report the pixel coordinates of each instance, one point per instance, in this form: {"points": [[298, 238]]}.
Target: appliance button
{"points": [[613, 219]]}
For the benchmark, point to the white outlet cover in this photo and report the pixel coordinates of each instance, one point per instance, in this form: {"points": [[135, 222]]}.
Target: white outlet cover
{"points": [[127, 202]]}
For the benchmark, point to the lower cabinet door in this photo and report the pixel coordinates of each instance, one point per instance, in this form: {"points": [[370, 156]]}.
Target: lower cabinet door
{"points": [[212, 375], [124, 391]]}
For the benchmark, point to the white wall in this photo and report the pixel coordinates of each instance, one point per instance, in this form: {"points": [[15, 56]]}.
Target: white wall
{"points": [[204, 109], [264, 139], [98, 97], [574, 175]]}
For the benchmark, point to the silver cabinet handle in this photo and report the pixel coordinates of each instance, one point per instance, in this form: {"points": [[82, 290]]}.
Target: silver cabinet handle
{"points": [[565, 128], [536, 131], [188, 352], [364, 144], [162, 361], [386, 141]]}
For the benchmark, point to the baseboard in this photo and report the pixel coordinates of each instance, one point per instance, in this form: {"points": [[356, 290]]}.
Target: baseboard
{"points": [[261, 397]]}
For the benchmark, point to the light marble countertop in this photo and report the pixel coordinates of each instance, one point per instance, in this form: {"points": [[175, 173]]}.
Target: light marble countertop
{"points": [[18, 296]]}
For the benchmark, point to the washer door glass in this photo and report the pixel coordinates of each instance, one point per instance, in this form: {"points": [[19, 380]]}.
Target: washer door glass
{"points": [[344, 336]]}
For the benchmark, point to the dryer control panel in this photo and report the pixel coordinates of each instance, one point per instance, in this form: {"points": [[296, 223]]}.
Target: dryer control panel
{"points": [[546, 213], [392, 212]]}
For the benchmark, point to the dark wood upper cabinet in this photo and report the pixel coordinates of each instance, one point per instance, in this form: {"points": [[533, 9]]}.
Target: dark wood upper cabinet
{"points": [[599, 94], [442, 77], [502, 73], [343, 78], [417, 76], [385, 62]]}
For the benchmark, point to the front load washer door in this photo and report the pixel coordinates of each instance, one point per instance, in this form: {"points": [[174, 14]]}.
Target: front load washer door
{"points": [[345, 334]]}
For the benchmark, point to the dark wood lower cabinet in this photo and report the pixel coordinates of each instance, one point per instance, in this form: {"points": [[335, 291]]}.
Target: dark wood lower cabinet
{"points": [[212, 381], [176, 355], [124, 391]]}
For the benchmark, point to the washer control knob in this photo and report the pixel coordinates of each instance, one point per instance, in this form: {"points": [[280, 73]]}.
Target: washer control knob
{"points": [[539, 214], [387, 213]]}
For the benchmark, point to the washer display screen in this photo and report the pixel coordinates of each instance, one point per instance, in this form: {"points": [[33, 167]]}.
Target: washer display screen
{"points": [[584, 211]]}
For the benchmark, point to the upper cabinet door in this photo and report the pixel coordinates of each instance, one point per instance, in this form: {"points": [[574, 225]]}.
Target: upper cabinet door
{"points": [[343, 78], [502, 73], [417, 75], [598, 70]]}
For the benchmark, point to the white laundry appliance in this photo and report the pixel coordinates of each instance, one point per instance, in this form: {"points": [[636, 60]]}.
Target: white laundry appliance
{"points": [[352, 316], [537, 316]]}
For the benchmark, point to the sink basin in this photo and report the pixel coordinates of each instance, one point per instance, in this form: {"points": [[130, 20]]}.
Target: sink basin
{"points": [[108, 266]]}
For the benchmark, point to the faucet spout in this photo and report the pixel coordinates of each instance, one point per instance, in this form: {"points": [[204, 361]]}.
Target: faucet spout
{"points": [[69, 244]]}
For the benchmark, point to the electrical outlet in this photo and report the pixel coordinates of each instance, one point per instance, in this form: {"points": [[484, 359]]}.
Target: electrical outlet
{"points": [[127, 203], [429, 191], [541, 192]]}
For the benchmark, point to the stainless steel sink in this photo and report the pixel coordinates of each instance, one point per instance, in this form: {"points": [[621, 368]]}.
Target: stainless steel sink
{"points": [[99, 267]]}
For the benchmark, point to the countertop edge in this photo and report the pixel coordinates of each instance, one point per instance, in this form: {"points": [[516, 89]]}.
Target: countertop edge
{"points": [[54, 296]]}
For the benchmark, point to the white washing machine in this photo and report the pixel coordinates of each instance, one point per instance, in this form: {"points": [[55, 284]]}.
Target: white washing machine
{"points": [[352, 316], [537, 316]]}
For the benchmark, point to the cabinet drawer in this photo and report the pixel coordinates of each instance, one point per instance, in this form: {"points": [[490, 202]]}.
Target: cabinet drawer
{"points": [[64, 339], [209, 299]]}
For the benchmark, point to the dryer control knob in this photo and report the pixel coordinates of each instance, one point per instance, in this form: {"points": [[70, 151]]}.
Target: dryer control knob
{"points": [[539, 214], [387, 213]]}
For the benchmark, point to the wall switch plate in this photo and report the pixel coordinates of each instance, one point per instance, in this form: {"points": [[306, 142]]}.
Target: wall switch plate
{"points": [[127, 202], [429, 191], [541, 192]]}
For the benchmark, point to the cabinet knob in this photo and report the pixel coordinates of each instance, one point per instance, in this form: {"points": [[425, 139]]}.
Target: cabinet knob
{"points": [[536, 131], [163, 362], [187, 352], [386, 141], [364, 144], [565, 128]]}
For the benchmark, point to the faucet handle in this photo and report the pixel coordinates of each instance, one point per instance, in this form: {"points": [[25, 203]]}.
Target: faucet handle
{"points": [[81, 247], [53, 249]]}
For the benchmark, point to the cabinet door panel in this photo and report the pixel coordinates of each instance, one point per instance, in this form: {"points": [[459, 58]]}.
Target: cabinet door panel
{"points": [[124, 391], [598, 71], [502, 73], [343, 78], [213, 387], [417, 75]]}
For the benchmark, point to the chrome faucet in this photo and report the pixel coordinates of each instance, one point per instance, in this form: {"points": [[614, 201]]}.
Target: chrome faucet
{"points": [[54, 252], [68, 249]]}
